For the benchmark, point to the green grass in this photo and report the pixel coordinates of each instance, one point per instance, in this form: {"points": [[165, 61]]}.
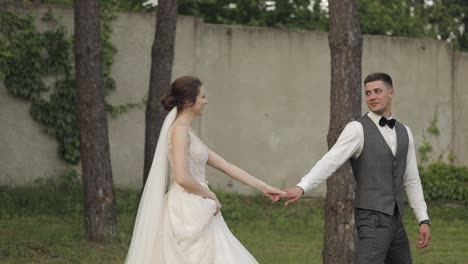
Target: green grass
{"points": [[272, 233]]}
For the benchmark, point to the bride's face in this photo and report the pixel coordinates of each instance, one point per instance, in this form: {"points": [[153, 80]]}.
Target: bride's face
{"points": [[200, 102]]}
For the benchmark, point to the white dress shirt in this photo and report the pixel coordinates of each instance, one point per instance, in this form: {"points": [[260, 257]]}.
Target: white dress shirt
{"points": [[350, 145]]}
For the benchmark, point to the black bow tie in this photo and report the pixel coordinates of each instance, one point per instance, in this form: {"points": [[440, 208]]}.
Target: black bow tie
{"points": [[389, 122]]}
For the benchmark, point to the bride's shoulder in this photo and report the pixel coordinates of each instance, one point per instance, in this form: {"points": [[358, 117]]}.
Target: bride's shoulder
{"points": [[179, 126], [179, 132]]}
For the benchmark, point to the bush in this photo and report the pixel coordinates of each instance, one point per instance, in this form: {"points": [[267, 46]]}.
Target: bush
{"points": [[56, 196], [61, 195], [442, 181]]}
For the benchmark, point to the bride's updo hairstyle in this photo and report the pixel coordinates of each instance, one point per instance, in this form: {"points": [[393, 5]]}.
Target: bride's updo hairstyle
{"points": [[184, 91]]}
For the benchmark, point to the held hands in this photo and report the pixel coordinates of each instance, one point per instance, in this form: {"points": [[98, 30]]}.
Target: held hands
{"points": [[424, 236], [272, 193], [294, 193]]}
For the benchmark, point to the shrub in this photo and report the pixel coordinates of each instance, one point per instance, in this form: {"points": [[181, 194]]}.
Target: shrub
{"points": [[442, 181]]}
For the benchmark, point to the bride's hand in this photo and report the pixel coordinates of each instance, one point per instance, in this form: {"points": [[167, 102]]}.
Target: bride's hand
{"points": [[272, 193], [218, 207], [218, 204]]}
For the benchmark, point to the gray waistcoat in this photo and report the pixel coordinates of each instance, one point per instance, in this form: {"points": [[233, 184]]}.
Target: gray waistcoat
{"points": [[379, 175]]}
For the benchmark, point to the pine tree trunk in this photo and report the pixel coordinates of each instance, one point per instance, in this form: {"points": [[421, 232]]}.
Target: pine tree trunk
{"points": [[162, 57], [345, 42], [94, 143]]}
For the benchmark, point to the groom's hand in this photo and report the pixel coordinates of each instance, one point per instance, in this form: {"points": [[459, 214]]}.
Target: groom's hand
{"points": [[424, 236], [294, 193]]}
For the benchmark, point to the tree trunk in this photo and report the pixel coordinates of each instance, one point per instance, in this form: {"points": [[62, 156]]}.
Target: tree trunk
{"points": [[94, 143], [162, 57], [345, 42]]}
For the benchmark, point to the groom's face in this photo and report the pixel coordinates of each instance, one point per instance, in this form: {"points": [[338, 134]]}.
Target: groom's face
{"points": [[379, 97]]}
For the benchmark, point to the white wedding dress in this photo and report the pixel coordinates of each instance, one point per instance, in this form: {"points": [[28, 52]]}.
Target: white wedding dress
{"points": [[192, 233], [183, 228]]}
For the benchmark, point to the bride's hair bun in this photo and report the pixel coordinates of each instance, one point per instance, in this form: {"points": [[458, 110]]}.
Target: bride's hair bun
{"points": [[168, 102], [183, 90]]}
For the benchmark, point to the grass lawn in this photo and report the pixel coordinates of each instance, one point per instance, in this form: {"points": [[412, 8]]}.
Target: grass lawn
{"points": [[272, 233]]}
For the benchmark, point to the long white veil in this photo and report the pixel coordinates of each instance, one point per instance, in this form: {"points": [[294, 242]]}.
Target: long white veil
{"points": [[145, 246]]}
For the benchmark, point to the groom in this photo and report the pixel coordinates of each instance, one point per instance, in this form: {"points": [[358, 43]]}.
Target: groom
{"points": [[382, 155]]}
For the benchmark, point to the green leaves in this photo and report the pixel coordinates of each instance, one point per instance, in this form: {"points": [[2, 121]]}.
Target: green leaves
{"points": [[32, 56], [441, 20], [444, 19], [424, 150], [28, 56], [443, 181], [21, 55], [58, 115], [294, 14]]}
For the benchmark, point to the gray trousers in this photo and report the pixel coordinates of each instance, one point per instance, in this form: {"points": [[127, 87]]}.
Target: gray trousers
{"points": [[382, 238]]}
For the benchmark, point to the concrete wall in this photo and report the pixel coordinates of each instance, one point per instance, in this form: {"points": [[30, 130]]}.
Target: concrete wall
{"points": [[460, 109], [268, 99], [26, 151]]}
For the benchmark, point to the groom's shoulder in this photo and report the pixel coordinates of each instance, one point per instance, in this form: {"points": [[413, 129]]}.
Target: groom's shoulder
{"points": [[407, 128], [356, 123], [362, 118], [353, 127]]}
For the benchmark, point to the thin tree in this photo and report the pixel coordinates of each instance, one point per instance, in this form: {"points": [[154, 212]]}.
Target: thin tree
{"points": [[162, 57], [94, 143], [345, 43]]}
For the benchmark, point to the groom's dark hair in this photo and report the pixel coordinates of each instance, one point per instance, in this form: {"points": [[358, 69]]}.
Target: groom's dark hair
{"points": [[379, 76]]}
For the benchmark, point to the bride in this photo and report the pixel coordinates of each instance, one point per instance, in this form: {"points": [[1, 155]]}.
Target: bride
{"points": [[184, 225]]}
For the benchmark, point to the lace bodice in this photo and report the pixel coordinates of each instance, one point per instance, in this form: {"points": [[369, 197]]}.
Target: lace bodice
{"points": [[197, 156]]}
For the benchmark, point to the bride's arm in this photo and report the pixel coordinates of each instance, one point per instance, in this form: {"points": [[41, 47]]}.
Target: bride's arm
{"points": [[216, 161], [180, 141]]}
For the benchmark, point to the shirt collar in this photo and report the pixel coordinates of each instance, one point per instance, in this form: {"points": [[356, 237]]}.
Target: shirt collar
{"points": [[375, 117]]}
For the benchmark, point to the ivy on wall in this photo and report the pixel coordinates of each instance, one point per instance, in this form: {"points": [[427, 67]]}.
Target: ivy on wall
{"points": [[441, 180], [29, 57]]}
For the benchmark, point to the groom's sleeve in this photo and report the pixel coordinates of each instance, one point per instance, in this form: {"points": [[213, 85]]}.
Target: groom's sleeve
{"points": [[412, 183], [349, 144]]}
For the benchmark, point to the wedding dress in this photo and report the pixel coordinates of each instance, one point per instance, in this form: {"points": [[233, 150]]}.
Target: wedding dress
{"points": [[187, 230]]}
